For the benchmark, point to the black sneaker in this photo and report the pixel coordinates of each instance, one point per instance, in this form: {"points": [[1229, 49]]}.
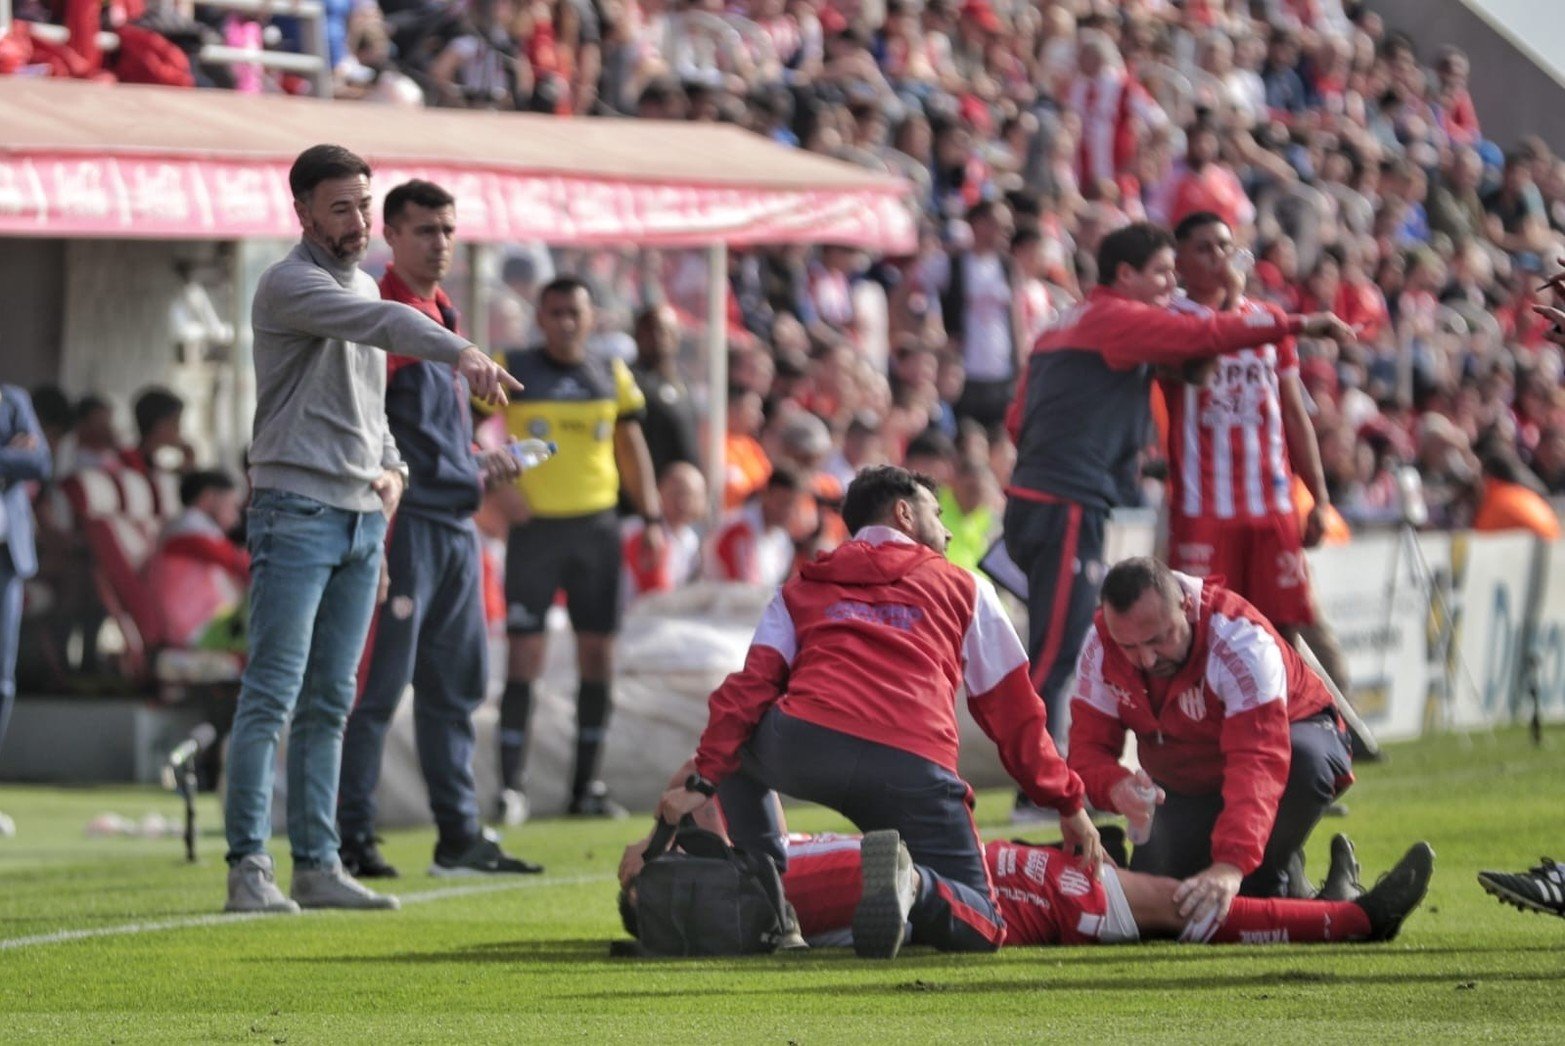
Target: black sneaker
{"points": [[361, 858], [482, 856], [1299, 887], [1397, 892], [596, 802], [1540, 890], [1342, 878]]}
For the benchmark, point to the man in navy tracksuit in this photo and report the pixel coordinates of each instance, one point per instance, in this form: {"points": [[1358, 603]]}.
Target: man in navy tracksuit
{"points": [[1080, 420], [430, 628]]}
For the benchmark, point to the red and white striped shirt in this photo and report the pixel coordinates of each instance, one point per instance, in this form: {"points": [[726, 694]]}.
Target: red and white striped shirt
{"points": [[1228, 456], [1114, 109]]}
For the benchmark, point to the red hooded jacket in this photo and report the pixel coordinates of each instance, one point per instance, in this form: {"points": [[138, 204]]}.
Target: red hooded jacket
{"points": [[1220, 724], [872, 640]]}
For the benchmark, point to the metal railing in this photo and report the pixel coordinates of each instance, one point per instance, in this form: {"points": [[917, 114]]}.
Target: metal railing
{"points": [[313, 62]]}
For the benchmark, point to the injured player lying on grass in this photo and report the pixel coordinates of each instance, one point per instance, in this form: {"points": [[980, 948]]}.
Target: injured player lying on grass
{"points": [[850, 890]]}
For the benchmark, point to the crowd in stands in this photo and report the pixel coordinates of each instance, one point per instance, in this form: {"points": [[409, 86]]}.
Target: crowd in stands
{"points": [[1356, 174]]}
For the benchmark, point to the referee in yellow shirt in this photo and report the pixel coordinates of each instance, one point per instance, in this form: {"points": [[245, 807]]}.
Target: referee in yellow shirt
{"points": [[591, 409]]}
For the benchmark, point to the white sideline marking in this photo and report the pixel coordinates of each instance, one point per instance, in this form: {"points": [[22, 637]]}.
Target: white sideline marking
{"points": [[226, 919]]}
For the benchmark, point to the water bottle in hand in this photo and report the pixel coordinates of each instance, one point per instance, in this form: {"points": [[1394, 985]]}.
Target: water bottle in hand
{"points": [[532, 452], [1140, 830]]}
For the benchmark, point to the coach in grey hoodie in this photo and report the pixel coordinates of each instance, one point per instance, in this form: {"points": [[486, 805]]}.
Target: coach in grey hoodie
{"points": [[326, 476]]}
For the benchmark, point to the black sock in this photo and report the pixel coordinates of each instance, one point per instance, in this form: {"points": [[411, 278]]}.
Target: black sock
{"points": [[592, 720], [516, 709]]}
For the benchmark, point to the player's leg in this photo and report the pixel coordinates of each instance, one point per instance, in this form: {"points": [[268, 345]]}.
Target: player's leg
{"points": [[533, 569], [384, 674], [449, 679], [1043, 539], [1375, 915], [1319, 764], [592, 594], [823, 884]]}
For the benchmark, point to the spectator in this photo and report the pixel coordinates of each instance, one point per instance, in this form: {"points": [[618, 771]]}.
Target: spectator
{"points": [[746, 462], [1114, 111], [1515, 219], [754, 544], [862, 445], [682, 489], [199, 576], [976, 291], [970, 509], [159, 439], [1511, 498], [92, 443], [670, 424]]}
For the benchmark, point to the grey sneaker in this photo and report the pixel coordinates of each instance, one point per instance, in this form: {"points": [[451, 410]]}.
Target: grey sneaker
{"points": [[889, 890], [331, 887], [252, 887]]}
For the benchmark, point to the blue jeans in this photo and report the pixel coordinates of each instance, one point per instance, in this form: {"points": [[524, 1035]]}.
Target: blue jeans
{"points": [[10, 631], [313, 574]]}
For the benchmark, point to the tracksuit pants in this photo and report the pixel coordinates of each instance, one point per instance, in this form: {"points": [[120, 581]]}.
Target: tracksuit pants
{"points": [[1060, 546], [1181, 842], [876, 787], [430, 632]]}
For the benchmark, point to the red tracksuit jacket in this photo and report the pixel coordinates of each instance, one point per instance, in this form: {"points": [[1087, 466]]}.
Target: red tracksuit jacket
{"points": [[872, 640], [1081, 415], [1221, 724]]}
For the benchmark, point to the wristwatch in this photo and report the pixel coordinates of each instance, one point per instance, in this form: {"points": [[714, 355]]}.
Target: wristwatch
{"points": [[697, 783]]}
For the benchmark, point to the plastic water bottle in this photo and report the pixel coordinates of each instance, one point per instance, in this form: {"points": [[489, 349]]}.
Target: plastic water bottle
{"points": [[1137, 830], [533, 452]]}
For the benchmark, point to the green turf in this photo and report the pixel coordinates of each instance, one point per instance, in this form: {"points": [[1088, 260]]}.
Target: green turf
{"points": [[528, 962]]}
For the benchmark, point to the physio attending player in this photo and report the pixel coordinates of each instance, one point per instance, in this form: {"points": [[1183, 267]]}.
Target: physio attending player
{"points": [[848, 698], [589, 406], [430, 630], [1238, 736], [1081, 419], [326, 476]]}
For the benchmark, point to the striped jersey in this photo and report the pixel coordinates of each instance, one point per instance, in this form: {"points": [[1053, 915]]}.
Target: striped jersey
{"points": [[1227, 453]]}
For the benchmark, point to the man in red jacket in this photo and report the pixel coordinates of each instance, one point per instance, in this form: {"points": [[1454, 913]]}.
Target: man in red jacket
{"points": [[848, 699], [1237, 738], [1081, 419]]}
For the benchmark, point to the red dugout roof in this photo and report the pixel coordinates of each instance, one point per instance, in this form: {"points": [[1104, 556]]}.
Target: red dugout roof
{"points": [[81, 159]]}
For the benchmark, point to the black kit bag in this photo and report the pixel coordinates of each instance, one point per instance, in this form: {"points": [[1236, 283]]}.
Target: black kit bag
{"points": [[697, 895]]}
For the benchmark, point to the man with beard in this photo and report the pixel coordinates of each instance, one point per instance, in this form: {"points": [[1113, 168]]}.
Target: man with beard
{"points": [[326, 477], [1240, 747]]}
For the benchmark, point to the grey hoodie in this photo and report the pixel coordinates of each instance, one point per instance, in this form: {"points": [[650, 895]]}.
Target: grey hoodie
{"points": [[320, 377]]}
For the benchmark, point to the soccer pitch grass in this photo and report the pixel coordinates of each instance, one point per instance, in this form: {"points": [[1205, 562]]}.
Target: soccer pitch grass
{"points": [[118, 940]]}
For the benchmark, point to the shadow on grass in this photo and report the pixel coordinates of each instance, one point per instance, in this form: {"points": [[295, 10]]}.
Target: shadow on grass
{"points": [[595, 952], [1261, 982]]}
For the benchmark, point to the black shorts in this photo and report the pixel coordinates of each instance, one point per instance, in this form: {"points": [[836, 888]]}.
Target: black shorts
{"points": [[580, 554]]}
